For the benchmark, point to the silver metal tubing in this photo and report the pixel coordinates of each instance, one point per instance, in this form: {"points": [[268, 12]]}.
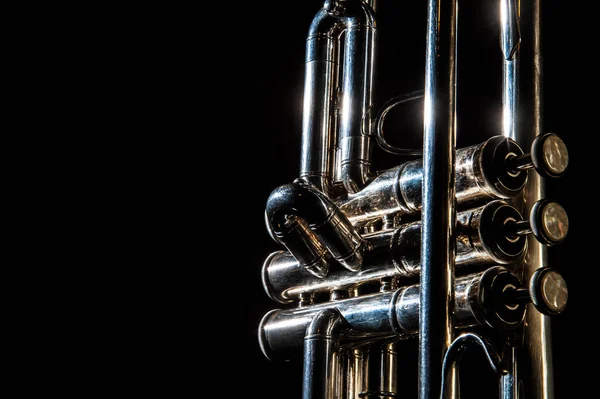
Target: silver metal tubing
{"points": [[355, 19], [382, 197], [509, 380], [318, 122], [320, 344], [357, 364], [510, 39], [422, 250], [388, 380], [524, 127], [382, 381], [396, 254], [537, 351], [305, 221], [436, 318], [479, 235], [355, 130], [394, 314], [382, 371], [481, 175]]}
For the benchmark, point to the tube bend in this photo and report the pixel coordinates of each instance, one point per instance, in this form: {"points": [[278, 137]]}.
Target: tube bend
{"points": [[339, 79], [459, 346], [356, 102], [320, 344], [327, 324], [309, 224]]}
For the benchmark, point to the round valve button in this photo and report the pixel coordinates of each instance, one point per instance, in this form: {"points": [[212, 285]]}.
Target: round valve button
{"points": [[549, 155], [548, 290], [549, 222]]}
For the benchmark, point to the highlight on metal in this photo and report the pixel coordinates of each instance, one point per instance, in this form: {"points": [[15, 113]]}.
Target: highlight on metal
{"points": [[446, 250]]}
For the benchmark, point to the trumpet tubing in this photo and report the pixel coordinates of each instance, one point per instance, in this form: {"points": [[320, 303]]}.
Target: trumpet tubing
{"points": [[443, 248]]}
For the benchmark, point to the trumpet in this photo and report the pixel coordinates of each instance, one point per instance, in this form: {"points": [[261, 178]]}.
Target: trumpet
{"points": [[387, 273]]}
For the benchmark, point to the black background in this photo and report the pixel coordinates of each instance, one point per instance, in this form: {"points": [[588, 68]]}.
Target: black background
{"points": [[271, 41]]}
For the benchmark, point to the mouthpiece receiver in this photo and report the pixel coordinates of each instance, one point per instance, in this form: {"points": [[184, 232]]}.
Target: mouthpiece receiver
{"points": [[547, 291], [549, 157], [548, 221]]}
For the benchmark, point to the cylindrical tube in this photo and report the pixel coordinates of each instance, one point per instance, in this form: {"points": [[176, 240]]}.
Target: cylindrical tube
{"points": [[318, 121], [355, 138], [357, 359], [305, 220], [481, 175], [323, 77], [509, 381], [537, 334], [510, 39], [393, 314], [320, 344], [388, 384], [396, 254]]}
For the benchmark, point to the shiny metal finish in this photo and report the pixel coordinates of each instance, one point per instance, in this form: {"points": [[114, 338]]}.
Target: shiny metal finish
{"points": [[320, 343], [305, 221], [395, 254], [548, 221], [382, 197], [510, 37], [281, 332], [318, 122], [480, 238], [381, 372], [285, 280], [355, 136], [393, 314], [481, 175], [389, 371], [537, 338], [320, 137], [426, 249], [436, 318], [357, 374], [509, 380], [549, 156]]}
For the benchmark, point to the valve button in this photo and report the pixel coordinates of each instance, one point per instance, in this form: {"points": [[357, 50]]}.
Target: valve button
{"points": [[549, 222], [556, 155], [549, 155], [548, 290]]}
